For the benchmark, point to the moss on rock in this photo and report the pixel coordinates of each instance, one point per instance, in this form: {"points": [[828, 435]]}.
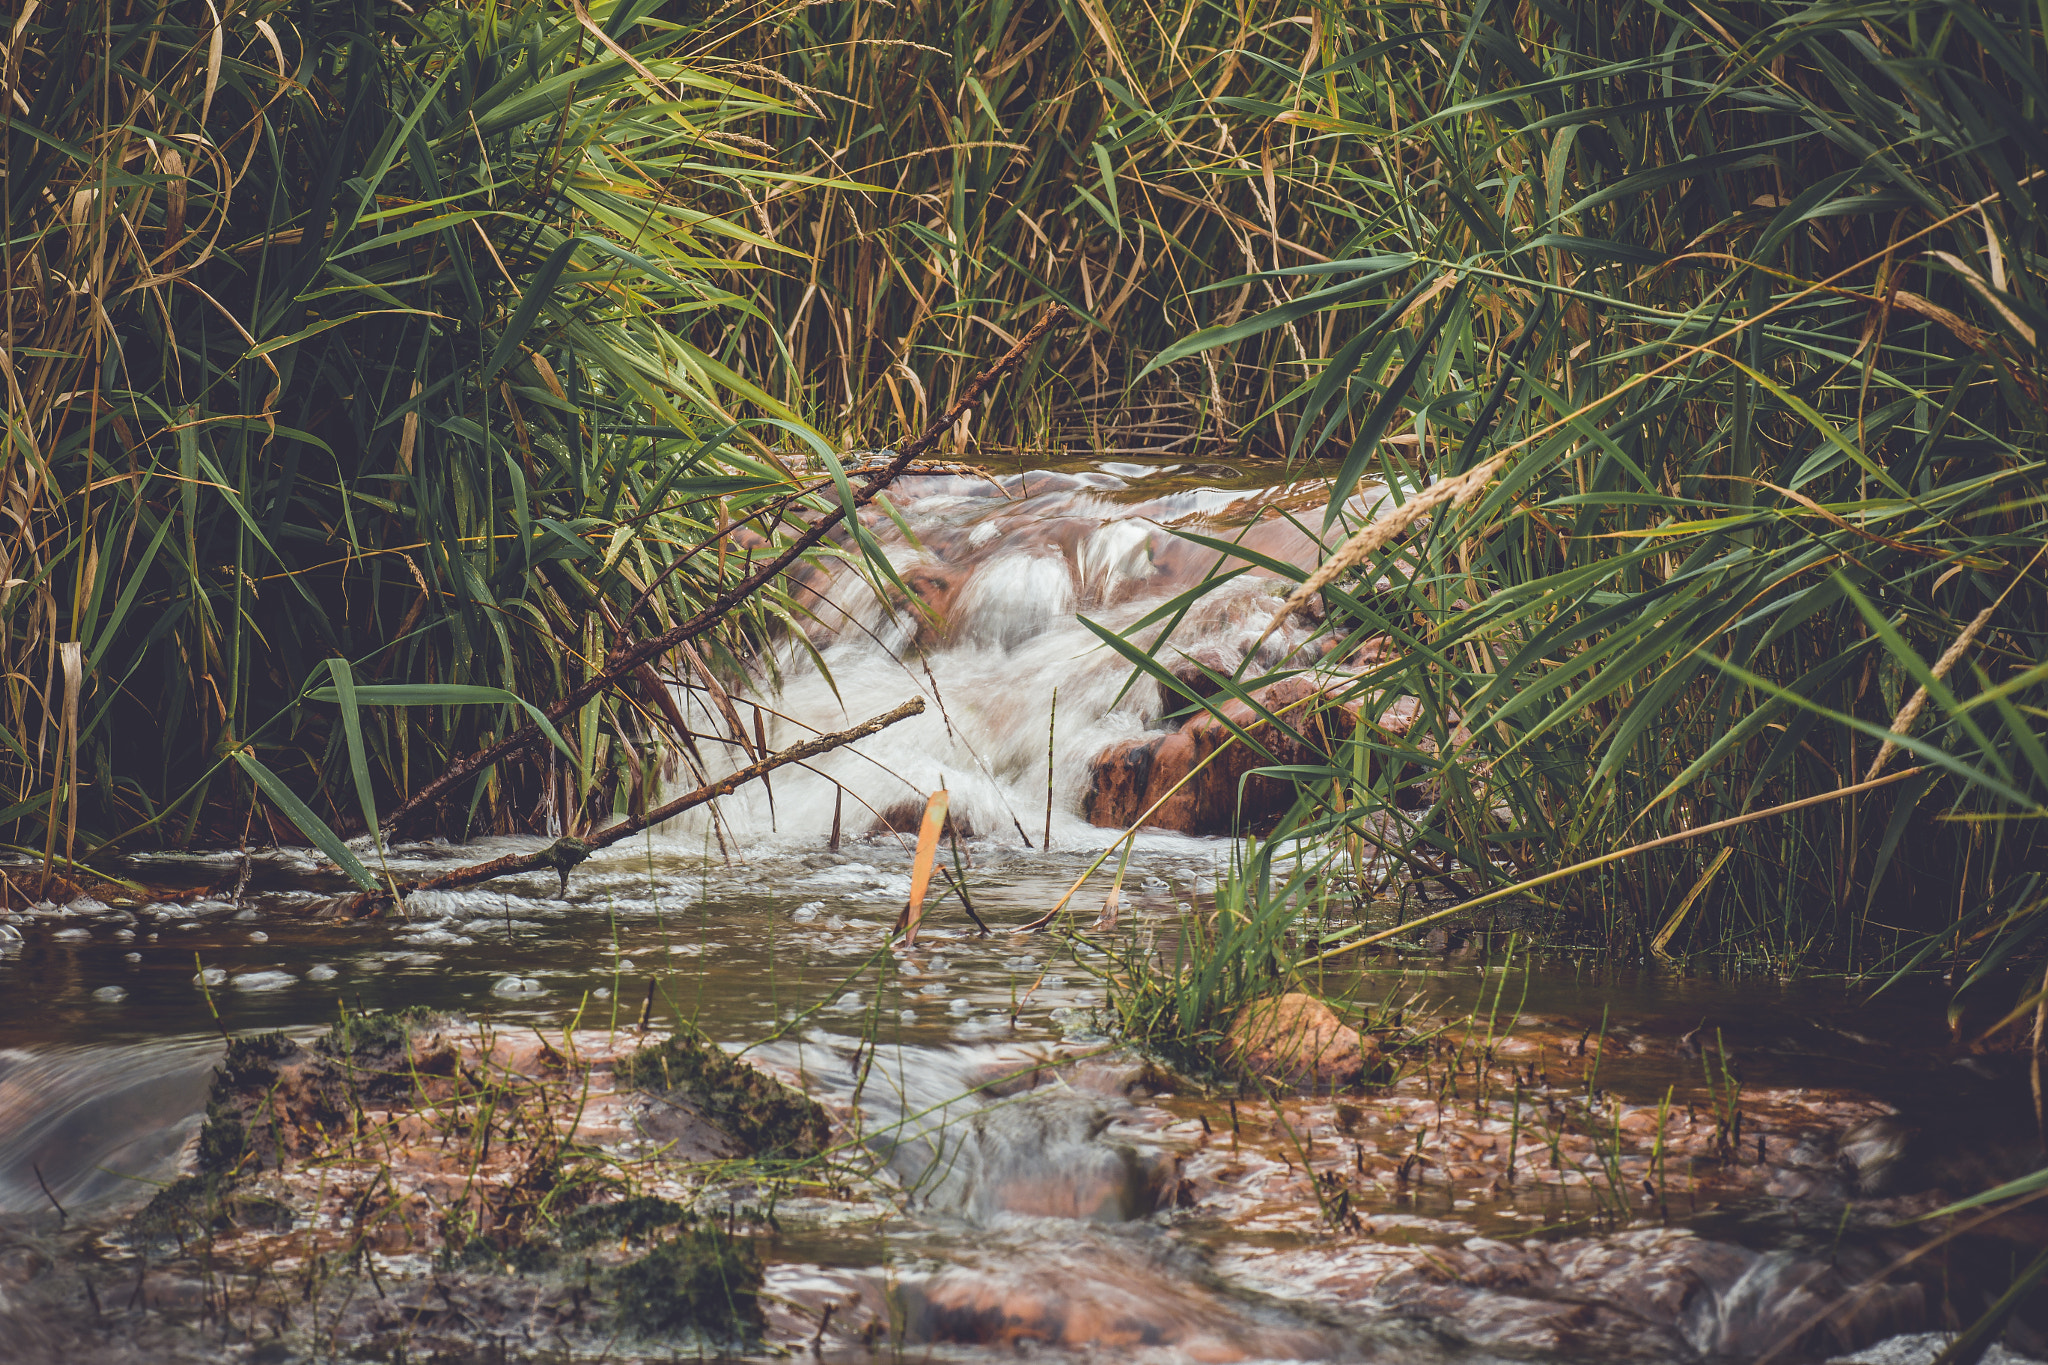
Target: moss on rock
{"points": [[762, 1114], [702, 1280], [190, 1208]]}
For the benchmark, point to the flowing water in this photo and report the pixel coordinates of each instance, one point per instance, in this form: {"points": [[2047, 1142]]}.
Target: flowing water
{"points": [[1045, 1189]]}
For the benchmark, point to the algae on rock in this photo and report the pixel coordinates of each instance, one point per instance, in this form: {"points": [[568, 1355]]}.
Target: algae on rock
{"points": [[764, 1116]]}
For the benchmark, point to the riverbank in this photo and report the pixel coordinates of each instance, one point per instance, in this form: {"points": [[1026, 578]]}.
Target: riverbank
{"points": [[1006, 1171]]}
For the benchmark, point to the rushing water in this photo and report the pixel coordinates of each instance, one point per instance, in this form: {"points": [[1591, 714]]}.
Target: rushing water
{"points": [[1099, 1212]]}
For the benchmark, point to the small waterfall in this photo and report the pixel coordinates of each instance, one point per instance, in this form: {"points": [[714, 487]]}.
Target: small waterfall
{"points": [[1000, 576]]}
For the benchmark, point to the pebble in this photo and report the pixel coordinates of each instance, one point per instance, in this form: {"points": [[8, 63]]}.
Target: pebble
{"points": [[807, 912]]}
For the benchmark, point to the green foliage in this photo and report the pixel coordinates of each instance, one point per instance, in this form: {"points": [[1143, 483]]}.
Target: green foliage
{"points": [[1113, 156], [353, 340], [1734, 320]]}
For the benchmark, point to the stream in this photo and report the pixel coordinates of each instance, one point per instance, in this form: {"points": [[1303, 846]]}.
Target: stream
{"points": [[1036, 1187]]}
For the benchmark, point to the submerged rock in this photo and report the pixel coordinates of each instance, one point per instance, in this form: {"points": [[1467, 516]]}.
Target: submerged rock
{"points": [[1127, 779], [762, 1115], [1296, 1040]]}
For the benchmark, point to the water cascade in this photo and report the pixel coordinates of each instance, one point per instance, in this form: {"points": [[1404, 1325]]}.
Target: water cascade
{"points": [[1002, 574]]}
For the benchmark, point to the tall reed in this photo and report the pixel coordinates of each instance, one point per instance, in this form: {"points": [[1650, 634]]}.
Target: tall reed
{"points": [[976, 160], [338, 331], [1722, 326]]}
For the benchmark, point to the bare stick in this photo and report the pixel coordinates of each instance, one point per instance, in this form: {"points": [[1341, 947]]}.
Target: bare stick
{"points": [[566, 853], [626, 656], [1050, 721], [62, 1217]]}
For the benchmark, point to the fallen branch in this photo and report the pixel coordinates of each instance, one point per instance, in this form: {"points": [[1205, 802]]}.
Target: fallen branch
{"points": [[627, 658], [565, 854]]}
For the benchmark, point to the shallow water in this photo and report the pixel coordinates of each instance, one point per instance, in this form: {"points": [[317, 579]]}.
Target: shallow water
{"points": [[1044, 1188]]}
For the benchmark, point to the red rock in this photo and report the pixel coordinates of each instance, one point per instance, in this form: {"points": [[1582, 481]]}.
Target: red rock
{"points": [[1297, 1040], [1128, 777]]}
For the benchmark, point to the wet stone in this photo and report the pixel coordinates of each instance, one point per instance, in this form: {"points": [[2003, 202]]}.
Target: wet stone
{"points": [[1296, 1040]]}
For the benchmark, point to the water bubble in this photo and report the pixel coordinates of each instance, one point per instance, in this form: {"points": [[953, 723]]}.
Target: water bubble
{"points": [[72, 935], [835, 923], [939, 964], [935, 988], [248, 914], [513, 987], [848, 1003], [1023, 962], [134, 957], [807, 912], [625, 964], [907, 1016], [321, 972], [264, 981], [601, 993], [259, 937], [210, 976], [110, 995], [962, 1006]]}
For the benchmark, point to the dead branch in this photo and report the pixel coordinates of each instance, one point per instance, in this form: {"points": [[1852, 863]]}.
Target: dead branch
{"points": [[565, 854]]}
